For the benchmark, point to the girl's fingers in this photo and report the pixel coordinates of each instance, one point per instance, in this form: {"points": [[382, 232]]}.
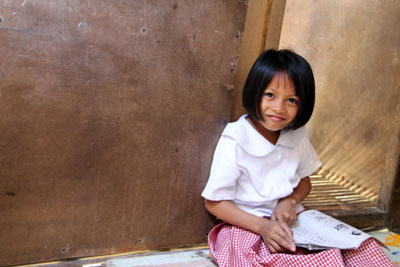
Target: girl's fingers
{"points": [[285, 239], [287, 218], [291, 218], [279, 245], [272, 248], [273, 217], [275, 247], [287, 229], [279, 239]]}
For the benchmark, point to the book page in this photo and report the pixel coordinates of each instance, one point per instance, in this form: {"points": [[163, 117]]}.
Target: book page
{"points": [[316, 228]]}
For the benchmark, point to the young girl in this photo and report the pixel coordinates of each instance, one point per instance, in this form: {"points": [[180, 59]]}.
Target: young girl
{"points": [[260, 170]]}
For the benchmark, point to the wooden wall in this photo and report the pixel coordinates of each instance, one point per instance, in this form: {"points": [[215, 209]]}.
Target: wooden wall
{"points": [[353, 47], [109, 115]]}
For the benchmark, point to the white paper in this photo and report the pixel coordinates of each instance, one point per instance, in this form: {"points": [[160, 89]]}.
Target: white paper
{"points": [[316, 230]]}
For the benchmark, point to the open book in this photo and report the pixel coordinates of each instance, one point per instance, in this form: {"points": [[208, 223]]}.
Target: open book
{"points": [[315, 230]]}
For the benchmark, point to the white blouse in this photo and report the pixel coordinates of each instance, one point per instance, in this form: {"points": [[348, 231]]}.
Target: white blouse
{"points": [[253, 173]]}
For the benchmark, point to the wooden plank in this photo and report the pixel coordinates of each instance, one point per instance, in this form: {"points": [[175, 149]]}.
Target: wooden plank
{"points": [[252, 45], [360, 218], [105, 142], [262, 31], [393, 219], [389, 185], [274, 27]]}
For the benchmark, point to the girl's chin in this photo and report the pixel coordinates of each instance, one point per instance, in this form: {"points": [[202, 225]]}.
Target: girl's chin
{"points": [[273, 127]]}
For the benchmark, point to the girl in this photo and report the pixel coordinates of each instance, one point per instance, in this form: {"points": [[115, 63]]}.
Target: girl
{"points": [[260, 170]]}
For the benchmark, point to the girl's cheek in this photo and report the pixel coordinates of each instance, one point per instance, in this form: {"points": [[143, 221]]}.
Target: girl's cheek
{"points": [[293, 108]]}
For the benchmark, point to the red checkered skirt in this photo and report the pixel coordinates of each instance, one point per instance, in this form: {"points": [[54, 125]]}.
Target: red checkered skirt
{"points": [[231, 246]]}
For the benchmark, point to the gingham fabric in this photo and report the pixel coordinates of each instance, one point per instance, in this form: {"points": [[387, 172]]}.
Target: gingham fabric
{"points": [[231, 246]]}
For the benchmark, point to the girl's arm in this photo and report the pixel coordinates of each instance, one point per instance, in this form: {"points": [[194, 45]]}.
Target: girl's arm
{"points": [[285, 210], [275, 234]]}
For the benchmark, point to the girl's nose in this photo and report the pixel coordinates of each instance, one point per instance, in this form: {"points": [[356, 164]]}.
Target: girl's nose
{"points": [[279, 107]]}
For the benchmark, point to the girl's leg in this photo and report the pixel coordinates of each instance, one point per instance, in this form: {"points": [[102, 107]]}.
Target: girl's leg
{"points": [[368, 254], [231, 246]]}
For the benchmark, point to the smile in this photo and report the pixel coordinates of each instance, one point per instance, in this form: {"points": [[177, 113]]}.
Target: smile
{"points": [[275, 118]]}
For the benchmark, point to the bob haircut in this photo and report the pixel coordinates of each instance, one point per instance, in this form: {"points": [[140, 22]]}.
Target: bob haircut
{"points": [[271, 63]]}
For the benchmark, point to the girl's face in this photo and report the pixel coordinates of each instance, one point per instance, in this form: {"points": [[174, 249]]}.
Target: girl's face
{"points": [[279, 104]]}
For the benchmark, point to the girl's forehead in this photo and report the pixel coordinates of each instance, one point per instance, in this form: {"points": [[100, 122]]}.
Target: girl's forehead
{"points": [[282, 79]]}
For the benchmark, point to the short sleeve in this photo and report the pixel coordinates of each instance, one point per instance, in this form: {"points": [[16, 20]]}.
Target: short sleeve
{"points": [[309, 161], [224, 172]]}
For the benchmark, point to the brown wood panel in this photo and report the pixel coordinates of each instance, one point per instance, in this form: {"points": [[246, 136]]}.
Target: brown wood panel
{"points": [[109, 114]]}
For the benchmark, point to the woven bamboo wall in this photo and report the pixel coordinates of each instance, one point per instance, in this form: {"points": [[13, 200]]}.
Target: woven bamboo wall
{"points": [[353, 47]]}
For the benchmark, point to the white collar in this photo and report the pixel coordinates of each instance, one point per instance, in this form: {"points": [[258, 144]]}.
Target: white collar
{"points": [[252, 141]]}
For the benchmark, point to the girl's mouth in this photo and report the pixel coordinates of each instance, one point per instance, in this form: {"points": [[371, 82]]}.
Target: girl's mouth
{"points": [[275, 118]]}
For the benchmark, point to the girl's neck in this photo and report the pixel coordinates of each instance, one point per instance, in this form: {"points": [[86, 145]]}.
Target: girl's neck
{"points": [[271, 136]]}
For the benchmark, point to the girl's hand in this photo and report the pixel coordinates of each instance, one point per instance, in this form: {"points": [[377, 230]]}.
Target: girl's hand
{"points": [[285, 212], [278, 236], [285, 209]]}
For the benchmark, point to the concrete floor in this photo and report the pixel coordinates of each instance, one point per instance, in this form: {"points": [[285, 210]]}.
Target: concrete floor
{"points": [[194, 257], [191, 257]]}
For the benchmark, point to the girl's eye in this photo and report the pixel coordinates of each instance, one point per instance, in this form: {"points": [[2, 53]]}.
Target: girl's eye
{"points": [[293, 100], [268, 94]]}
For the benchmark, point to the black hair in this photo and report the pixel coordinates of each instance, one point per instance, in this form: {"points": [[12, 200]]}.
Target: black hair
{"points": [[270, 63]]}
